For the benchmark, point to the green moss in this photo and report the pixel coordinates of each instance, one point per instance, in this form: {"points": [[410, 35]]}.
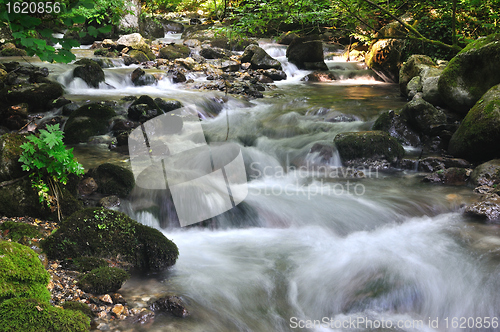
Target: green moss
{"points": [[17, 230], [85, 264], [109, 234], [138, 55], [11, 145], [21, 273], [78, 306], [383, 122], [101, 51], [103, 280], [94, 110], [172, 52], [31, 315]]}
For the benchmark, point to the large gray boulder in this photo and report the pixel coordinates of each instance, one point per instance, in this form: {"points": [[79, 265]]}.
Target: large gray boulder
{"points": [[477, 137], [471, 73], [259, 59], [307, 53]]}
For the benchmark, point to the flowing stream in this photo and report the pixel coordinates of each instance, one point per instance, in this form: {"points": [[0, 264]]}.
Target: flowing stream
{"points": [[311, 249]]}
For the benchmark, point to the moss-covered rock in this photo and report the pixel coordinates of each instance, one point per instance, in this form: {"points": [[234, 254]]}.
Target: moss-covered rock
{"points": [[113, 179], [88, 263], [78, 306], [89, 120], [411, 68], [31, 315], [368, 145], [17, 230], [478, 135], [39, 97], [89, 71], [103, 280], [471, 73], [10, 151], [12, 51], [172, 52], [21, 273], [109, 234], [138, 56], [19, 199]]}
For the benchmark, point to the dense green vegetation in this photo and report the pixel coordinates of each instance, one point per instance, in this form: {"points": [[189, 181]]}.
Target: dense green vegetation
{"points": [[438, 28]]}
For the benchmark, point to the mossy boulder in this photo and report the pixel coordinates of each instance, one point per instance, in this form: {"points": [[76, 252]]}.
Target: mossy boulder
{"points": [[18, 230], [87, 121], [90, 72], [31, 315], [113, 179], [411, 68], [109, 234], [19, 199], [471, 73], [103, 280], [12, 51], [373, 145], [22, 274], [478, 135], [259, 59], [10, 151], [88, 263], [172, 52], [486, 174], [39, 97], [138, 56]]}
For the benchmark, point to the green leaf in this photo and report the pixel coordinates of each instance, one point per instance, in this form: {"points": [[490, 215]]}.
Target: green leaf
{"points": [[105, 29], [92, 31]]}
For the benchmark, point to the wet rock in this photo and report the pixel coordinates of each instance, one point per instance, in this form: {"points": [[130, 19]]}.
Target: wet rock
{"points": [[228, 65], [90, 72], [214, 53], [422, 116], [325, 151], [471, 73], [193, 43], [172, 52], [275, 74], [487, 209], [319, 76], [170, 304], [110, 202], [14, 117], [39, 97], [477, 137], [397, 126], [112, 179], [259, 59], [306, 53], [87, 121], [87, 186], [450, 176], [487, 174], [376, 145], [177, 76], [10, 151], [140, 78], [174, 27], [144, 317], [432, 164]]}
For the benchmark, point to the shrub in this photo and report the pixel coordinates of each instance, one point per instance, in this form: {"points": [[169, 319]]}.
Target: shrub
{"points": [[21, 273], [50, 162], [103, 280], [31, 315]]}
